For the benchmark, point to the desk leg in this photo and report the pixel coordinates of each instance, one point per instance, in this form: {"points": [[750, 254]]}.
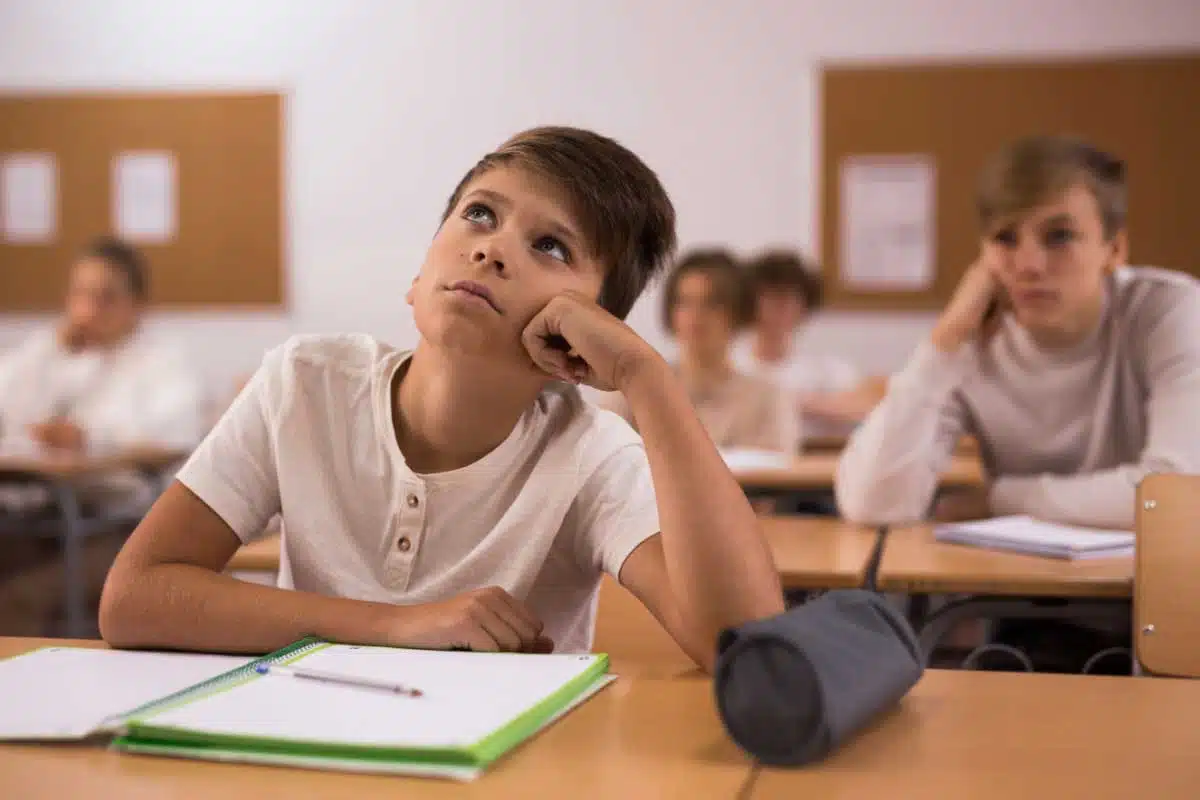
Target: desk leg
{"points": [[73, 533]]}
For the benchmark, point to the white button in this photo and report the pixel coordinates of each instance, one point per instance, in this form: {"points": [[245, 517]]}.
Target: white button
{"points": [[413, 501], [404, 545]]}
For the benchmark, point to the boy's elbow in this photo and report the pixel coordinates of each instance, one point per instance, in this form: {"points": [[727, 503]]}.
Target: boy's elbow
{"points": [[118, 617]]}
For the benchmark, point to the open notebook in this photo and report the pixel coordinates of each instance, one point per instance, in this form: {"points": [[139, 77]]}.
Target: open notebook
{"points": [[474, 707], [1027, 535]]}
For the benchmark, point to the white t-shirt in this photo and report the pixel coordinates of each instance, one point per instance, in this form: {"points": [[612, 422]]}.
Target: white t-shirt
{"points": [[801, 375], [565, 497], [143, 392], [798, 373]]}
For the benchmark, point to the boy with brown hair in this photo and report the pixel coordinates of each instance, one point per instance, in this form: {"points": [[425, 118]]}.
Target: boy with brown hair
{"points": [[464, 494]]}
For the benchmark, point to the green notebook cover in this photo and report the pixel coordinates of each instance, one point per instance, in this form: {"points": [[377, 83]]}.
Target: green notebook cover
{"points": [[142, 734]]}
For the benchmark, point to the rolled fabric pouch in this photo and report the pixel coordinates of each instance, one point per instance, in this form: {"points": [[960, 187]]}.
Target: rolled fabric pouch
{"points": [[791, 689]]}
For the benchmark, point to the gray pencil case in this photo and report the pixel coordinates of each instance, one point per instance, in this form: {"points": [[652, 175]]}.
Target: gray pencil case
{"points": [[793, 688]]}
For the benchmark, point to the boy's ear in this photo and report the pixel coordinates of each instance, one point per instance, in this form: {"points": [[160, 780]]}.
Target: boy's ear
{"points": [[412, 289], [1120, 249]]}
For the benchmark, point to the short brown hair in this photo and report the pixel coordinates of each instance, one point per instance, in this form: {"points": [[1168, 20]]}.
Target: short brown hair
{"points": [[786, 269], [728, 283], [626, 214], [125, 259], [1036, 169]]}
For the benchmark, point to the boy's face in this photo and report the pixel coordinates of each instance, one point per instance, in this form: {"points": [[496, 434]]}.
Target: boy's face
{"points": [[507, 249], [1052, 261], [701, 321], [100, 307], [779, 309]]}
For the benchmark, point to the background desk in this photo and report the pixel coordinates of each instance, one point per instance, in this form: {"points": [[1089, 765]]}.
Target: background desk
{"points": [[810, 553], [1000, 585], [914, 562], [641, 737], [61, 474], [992, 735], [814, 472]]}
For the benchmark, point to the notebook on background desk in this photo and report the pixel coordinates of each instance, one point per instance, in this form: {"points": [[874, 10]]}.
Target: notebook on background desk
{"points": [[472, 708], [1022, 534]]}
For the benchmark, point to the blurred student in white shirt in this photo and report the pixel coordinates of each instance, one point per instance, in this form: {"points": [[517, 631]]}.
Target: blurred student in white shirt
{"points": [[831, 396], [95, 381]]}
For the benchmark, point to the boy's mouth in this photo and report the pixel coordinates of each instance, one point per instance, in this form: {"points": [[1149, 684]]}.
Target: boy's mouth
{"points": [[476, 289]]}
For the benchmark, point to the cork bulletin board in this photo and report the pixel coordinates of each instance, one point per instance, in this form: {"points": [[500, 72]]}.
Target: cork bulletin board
{"points": [[218, 238]]}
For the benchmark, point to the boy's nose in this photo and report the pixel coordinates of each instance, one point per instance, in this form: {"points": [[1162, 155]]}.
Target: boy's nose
{"points": [[488, 255]]}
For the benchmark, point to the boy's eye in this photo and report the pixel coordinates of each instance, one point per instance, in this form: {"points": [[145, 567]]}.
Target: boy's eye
{"points": [[1006, 237], [1059, 237], [553, 248], [479, 214]]}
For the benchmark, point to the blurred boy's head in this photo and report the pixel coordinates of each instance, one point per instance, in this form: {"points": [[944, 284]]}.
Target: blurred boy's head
{"points": [[106, 290], [786, 289], [704, 304], [1053, 211], [552, 210]]}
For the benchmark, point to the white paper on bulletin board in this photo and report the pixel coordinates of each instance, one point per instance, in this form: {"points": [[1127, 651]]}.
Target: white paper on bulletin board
{"points": [[145, 201], [887, 222], [28, 198]]}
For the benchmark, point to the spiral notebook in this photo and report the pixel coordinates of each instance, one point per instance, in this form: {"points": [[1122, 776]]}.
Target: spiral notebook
{"points": [[473, 708]]}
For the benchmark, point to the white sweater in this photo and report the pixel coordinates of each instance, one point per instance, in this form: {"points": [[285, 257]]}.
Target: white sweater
{"points": [[1065, 436]]}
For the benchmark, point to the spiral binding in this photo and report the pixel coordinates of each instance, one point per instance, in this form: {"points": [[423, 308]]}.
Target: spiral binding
{"points": [[223, 681]]}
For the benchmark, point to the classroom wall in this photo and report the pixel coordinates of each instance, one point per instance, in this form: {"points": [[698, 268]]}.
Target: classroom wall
{"points": [[389, 102]]}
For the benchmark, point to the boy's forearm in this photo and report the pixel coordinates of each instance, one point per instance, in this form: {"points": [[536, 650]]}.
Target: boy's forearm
{"points": [[717, 560], [180, 606]]}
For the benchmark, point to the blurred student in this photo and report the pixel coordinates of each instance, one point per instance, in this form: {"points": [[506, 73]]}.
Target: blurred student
{"points": [[95, 381], [464, 494], [830, 395], [1077, 374], [705, 302]]}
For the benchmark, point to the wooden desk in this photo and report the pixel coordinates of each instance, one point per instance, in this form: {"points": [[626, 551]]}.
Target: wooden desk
{"points": [[816, 472], [914, 563], [260, 556], [985, 735], [810, 552], [643, 736], [60, 472], [819, 552], [57, 465]]}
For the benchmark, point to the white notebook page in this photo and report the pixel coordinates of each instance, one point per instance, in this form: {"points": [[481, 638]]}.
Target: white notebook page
{"points": [[466, 697], [67, 693]]}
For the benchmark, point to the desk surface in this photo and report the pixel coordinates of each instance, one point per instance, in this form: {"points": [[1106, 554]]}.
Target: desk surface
{"points": [[52, 464], [810, 552], [913, 562], [647, 735], [819, 552], [987, 735], [816, 472]]}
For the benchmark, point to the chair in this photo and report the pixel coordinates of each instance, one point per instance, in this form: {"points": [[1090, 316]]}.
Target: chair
{"points": [[1166, 604]]}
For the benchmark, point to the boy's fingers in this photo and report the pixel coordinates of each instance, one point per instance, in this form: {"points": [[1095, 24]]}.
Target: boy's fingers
{"points": [[522, 620], [498, 628]]}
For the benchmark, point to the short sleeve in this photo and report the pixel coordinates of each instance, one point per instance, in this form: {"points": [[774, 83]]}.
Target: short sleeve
{"points": [[615, 510], [233, 471]]}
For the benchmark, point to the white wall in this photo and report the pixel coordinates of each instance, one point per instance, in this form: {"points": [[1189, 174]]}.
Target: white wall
{"points": [[390, 101]]}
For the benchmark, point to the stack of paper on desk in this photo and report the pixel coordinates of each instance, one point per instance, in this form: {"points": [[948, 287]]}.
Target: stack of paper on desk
{"points": [[1027, 535]]}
